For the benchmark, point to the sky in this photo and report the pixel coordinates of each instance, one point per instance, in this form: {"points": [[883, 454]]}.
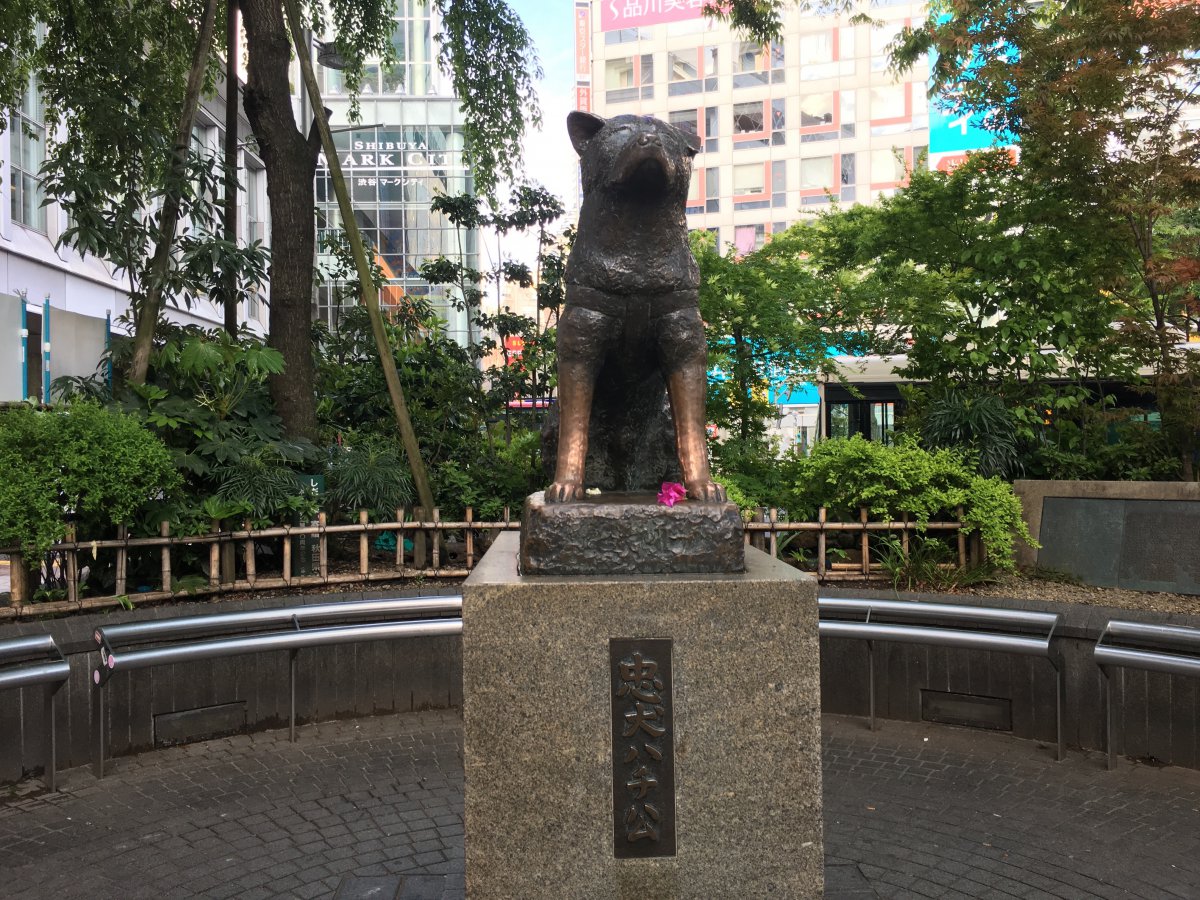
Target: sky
{"points": [[549, 156], [550, 159]]}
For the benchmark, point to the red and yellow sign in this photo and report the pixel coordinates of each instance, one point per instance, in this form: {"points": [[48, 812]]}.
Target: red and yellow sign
{"points": [[583, 41]]}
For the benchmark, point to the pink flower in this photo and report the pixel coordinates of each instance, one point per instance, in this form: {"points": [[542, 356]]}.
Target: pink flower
{"points": [[671, 493]]}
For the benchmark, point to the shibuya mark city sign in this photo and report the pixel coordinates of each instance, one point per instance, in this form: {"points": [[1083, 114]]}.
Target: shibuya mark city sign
{"points": [[397, 155]]}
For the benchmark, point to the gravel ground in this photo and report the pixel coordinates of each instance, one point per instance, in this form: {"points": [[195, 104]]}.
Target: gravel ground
{"points": [[1026, 586]]}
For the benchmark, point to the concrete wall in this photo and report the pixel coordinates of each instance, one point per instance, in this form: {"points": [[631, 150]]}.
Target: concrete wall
{"points": [[1138, 535], [341, 681], [1160, 714]]}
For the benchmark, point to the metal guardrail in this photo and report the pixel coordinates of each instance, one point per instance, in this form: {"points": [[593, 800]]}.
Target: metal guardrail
{"points": [[947, 625], [1174, 649], [139, 645], [34, 660]]}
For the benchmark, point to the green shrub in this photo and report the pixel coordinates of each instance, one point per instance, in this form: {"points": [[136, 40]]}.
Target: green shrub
{"points": [[368, 474], [97, 465], [891, 480]]}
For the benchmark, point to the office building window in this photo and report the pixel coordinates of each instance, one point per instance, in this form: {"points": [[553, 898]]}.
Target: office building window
{"points": [[756, 64], [695, 202], [816, 173], [28, 141], [817, 56], [816, 48], [748, 117], [691, 71], [847, 105], [882, 36], [779, 183], [623, 36], [759, 124], [712, 190], [748, 238], [817, 110], [889, 103], [629, 78], [712, 115], [749, 179], [412, 37], [848, 174], [685, 120], [887, 166]]}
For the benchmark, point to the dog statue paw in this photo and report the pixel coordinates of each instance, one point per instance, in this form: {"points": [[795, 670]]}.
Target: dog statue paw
{"points": [[564, 492], [705, 491]]}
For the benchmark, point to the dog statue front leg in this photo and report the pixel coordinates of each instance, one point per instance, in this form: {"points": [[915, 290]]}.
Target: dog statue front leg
{"points": [[582, 337], [683, 353]]}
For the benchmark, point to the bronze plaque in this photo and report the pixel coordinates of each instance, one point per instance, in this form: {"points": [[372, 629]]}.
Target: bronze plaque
{"points": [[643, 748]]}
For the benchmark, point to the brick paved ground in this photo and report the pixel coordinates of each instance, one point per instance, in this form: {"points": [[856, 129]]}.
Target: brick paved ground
{"points": [[373, 808]]}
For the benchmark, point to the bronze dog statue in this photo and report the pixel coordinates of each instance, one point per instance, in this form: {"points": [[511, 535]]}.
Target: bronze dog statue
{"points": [[631, 325]]}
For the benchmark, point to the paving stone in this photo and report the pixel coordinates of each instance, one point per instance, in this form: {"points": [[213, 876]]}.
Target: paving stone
{"points": [[911, 811]]}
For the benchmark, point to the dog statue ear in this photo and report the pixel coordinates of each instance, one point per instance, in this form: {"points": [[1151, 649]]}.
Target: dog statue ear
{"points": [[692, 140], [582, 127]]}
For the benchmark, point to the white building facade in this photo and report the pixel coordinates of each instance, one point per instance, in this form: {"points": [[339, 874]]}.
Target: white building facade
{"points": [[58, 308]]}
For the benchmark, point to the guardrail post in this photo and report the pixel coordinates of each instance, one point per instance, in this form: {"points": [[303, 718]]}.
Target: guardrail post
{"points": [[1059, 702], [364, 544], [1110, 711], [904, 536], [164, 530], [98, 712], [322, 547], [292, 686], [773, 548], [470, 541], [51, 749], [871, 681]]}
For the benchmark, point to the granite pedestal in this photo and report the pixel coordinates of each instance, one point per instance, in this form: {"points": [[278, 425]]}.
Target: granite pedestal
{"points": [[539, 713], [629, 533]]}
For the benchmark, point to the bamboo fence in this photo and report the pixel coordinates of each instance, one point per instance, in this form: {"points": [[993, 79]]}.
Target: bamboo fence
{"points": [[427, 559]]}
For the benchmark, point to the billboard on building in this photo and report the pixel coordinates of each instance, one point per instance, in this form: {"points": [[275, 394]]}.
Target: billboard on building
{"points": [[953, 132], [618, 14]]}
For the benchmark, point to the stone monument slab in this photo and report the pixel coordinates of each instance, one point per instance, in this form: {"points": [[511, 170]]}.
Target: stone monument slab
{"points": [[629, 534], [578, 693]]}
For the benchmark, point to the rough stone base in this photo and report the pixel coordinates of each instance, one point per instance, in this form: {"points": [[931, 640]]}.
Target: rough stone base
{"points": [[537, 717], [629, 534]]}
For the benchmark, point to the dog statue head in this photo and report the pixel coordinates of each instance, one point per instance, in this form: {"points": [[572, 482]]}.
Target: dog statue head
{"points": [[639, 156]]}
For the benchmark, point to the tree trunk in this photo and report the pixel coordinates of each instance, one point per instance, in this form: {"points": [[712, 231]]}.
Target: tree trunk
{"points": [[231, 149], [168, 220], [291, 163], [370, 295]]}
